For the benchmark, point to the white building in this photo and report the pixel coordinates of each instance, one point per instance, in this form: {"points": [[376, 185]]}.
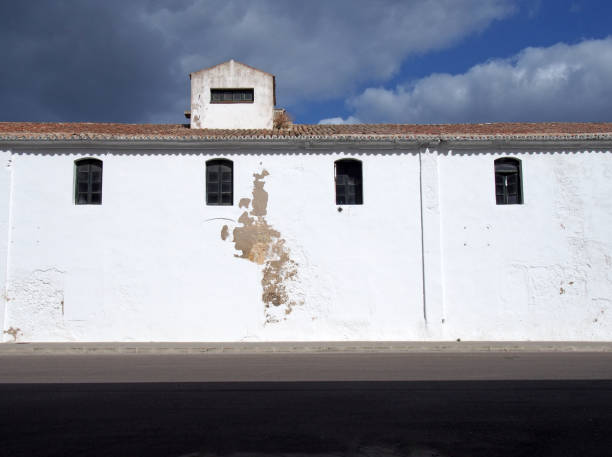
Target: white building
{"points": [[118, 232], [216, 91]]}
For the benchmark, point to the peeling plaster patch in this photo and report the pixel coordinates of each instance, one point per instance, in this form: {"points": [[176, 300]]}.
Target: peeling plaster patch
{"points": [[244, 203], [14, 332], [260, 243], [260, 196], [276, 274], [254, 238], [224, 232]]}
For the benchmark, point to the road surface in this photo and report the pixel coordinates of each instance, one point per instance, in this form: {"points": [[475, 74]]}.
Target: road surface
{"points": [[273, 367], [316, 405]]}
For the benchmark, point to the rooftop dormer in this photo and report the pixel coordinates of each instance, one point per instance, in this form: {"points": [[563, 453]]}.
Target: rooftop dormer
{"points": [[232, 95]]}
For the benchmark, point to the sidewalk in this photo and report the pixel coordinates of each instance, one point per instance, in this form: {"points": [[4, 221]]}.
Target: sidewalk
{"points": [[303, 347]]}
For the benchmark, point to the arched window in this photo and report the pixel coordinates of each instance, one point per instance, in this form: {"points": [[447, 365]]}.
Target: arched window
{"points": [[349, 188], [219, 182], [88, 182], [508, 186]]}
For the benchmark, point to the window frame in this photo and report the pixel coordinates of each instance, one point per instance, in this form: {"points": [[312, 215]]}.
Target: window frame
{"points": [[219, 162], [505, 197], [358, 186], [241, 92], [89, 193]]}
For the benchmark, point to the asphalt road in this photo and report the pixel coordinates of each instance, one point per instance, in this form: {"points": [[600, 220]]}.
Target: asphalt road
{"points": [[308, 404], [271, 367], [417, 419]]}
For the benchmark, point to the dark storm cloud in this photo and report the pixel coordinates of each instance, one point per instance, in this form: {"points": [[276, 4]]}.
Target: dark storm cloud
{"points": [[128, 61], [74, 60]]}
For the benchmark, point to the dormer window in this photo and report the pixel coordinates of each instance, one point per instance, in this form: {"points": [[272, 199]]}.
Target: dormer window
{"points": [[232, 95], [232, 83]]}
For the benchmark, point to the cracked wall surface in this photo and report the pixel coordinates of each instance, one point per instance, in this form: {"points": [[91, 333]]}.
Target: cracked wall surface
{"points": [[35, 306]]}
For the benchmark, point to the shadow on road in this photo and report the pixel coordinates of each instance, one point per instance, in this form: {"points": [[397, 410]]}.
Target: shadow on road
{"points": [[417, 419]]}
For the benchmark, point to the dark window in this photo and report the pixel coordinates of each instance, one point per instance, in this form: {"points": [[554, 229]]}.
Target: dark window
{"points": [[88, 182], [231, 95], [219, 182], [349, 189], [508, 186]]}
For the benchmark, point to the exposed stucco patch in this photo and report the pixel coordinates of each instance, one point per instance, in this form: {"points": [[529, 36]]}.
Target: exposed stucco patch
{"points": [[260, 196], [244, 203], [14, 332], [260, 243], [277, 272], [253, 238], [224, 232]]}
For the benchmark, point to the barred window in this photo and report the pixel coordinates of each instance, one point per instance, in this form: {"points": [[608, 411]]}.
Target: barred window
{"points": [[88, 182], [349, 188], [508, 186], [219, 182], [231, 95]]}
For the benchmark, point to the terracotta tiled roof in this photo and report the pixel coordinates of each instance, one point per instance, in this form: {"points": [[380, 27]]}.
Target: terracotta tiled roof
{"points": [[15, 131]]}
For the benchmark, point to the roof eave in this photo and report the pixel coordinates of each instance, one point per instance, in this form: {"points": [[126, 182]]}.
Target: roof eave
{"points": [[316, 142]]}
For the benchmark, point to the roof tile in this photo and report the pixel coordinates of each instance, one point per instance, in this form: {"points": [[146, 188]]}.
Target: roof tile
{"points": [[135, 132]]}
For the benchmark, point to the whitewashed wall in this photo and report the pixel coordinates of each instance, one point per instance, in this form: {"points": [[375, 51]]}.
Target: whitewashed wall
{"points": [[5, 215], [150, 263], [539, 271]]}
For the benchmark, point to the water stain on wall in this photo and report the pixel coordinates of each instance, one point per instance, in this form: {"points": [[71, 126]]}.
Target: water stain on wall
{"points": [[260, 243]]}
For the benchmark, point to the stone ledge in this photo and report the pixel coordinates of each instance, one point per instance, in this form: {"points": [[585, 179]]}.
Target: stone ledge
{"points": [[109, 348]]}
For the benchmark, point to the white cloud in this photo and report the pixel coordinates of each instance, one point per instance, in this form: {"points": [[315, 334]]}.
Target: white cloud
{"points": [[339, 120], [320, 48], [559, 83]]}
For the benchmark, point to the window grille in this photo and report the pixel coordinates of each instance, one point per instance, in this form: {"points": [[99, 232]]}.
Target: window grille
{"points": [[508, 186], [349, 188], [88, 182], [219, 182], [232, 95]]}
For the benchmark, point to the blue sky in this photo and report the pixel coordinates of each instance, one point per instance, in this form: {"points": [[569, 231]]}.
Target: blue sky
{"points": [[418, 61]]}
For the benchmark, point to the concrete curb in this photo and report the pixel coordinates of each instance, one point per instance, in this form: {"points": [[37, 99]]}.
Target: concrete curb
{"points": [[301, 347]]}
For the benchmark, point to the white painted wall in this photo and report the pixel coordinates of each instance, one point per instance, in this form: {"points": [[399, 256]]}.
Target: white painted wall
{"points": [[149, 264], [538, 271], [232, 75], [5, 230]]}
